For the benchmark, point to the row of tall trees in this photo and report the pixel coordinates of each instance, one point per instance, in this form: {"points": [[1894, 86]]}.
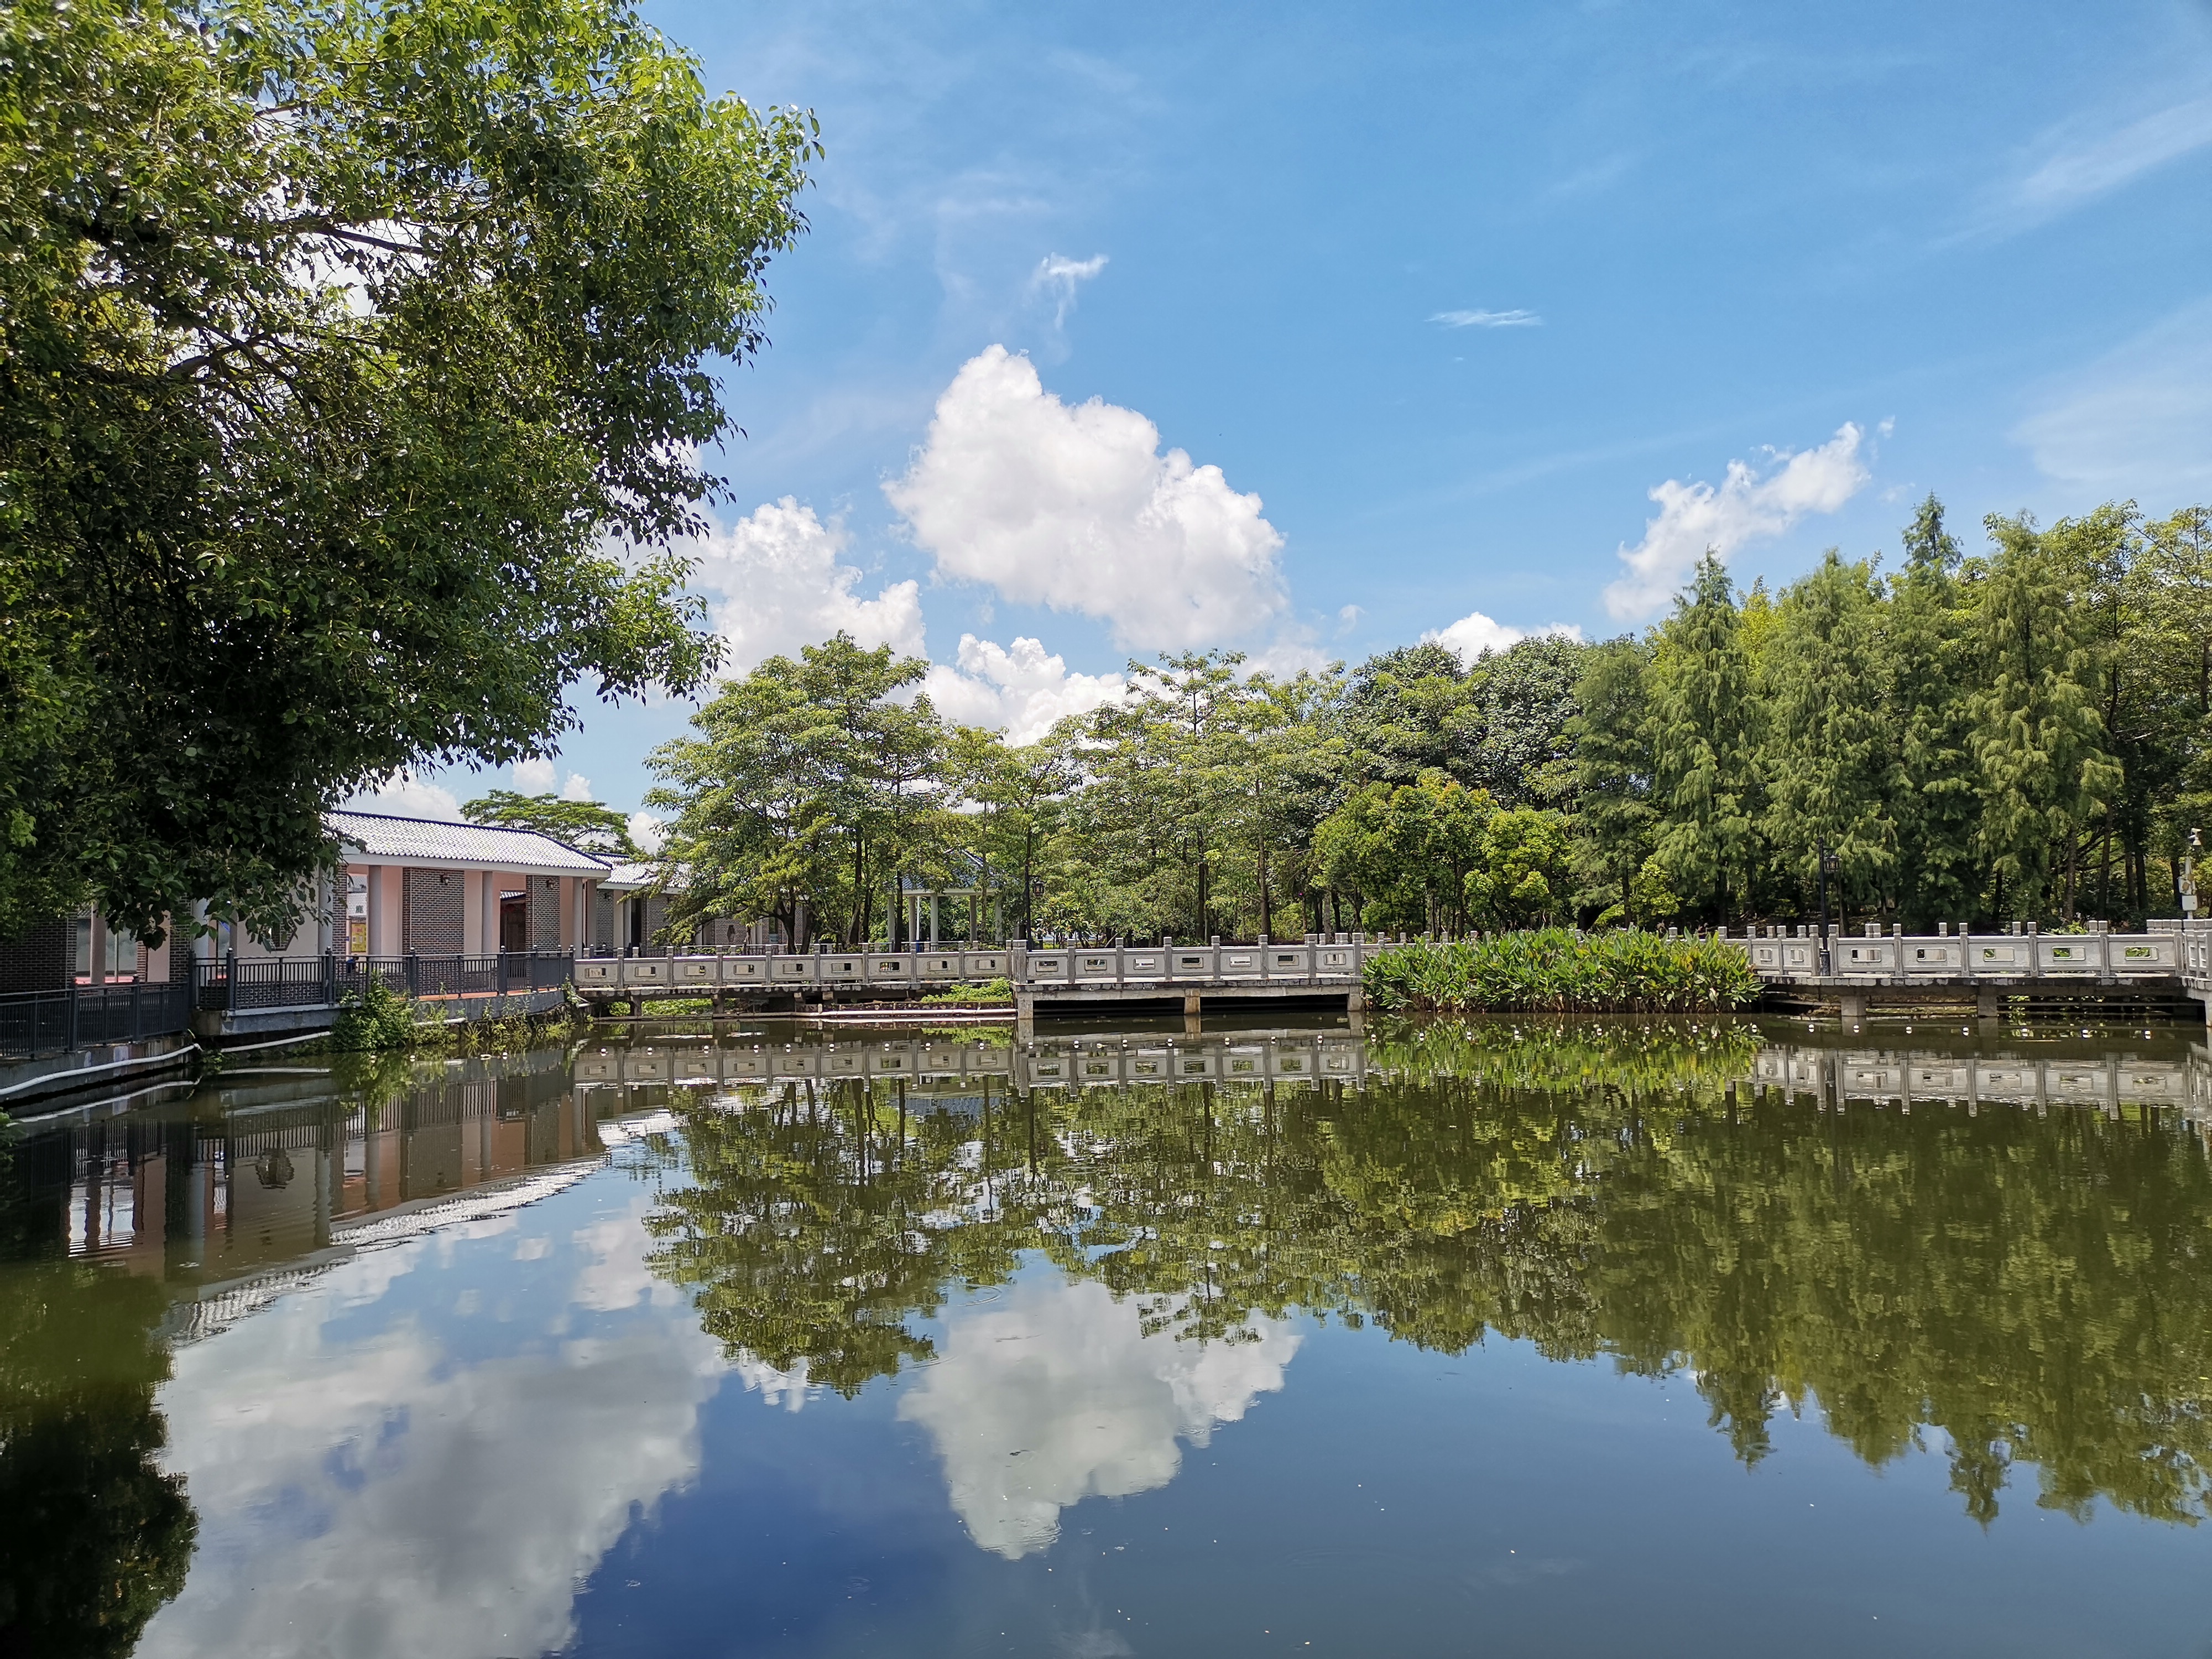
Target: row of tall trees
{"points": [[2022, 732]]}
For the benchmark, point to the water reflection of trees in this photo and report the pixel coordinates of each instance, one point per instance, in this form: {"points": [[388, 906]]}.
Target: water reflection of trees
{"points": [[93, 1537], [2032, 1288]]}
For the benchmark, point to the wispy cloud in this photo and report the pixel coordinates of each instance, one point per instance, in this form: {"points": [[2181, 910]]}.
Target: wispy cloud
{"points": [[1059, 276], [1515, 318], [2138, 419], [2077, 169]]}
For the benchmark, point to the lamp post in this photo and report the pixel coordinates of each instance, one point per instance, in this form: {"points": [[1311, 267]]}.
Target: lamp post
{"points": [[1828, 869]]}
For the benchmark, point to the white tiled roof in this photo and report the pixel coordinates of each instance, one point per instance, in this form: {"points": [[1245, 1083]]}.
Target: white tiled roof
{"points": [[379, 837]]}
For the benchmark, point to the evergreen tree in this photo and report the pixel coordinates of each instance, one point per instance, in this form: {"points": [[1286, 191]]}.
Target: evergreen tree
{"points": [[2038, 736], [1705, 746], [1616, 817], [1935, 793], [1830, 753]]}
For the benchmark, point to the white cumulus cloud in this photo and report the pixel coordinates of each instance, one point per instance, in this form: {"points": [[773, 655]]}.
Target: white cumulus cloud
{"points": [[1017, 690], [1746, 506], [647, 831], [1074, 507], [408, 795], [775, 583], [534, 777], [1474, 634], [1057, 1394]]}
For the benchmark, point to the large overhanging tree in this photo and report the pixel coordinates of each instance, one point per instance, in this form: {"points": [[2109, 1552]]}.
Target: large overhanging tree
{"points": [[355, 364]]}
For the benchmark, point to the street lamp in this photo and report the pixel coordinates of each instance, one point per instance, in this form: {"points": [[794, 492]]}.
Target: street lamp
{"points": [[1828, 868]]}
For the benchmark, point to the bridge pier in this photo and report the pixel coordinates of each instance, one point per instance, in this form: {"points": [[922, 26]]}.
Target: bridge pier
{"points": [[1987, 1007], [1852, 1006]]}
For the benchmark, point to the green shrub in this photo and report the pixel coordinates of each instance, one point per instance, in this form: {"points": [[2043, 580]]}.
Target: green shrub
{"points": [[373, 1018], [1556, 970], [991, 994]]}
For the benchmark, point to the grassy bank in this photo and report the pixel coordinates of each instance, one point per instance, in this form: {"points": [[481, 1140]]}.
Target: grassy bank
{"points": [[1554, 970]]}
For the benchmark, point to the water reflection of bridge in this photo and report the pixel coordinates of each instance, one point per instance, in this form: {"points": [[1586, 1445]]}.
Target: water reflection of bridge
{"points": [[2178, 1076]]}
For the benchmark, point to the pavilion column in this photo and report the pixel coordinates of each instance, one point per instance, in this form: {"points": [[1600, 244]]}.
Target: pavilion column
{"points": [[473, 883], [384, 882]]}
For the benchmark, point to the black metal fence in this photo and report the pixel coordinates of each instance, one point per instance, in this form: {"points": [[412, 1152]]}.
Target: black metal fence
{"points": [[234, 986], [35, 1022], [56, 1022]]}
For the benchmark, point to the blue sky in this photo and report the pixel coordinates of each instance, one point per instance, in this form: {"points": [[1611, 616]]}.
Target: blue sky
{"points": [[1501, 312]]}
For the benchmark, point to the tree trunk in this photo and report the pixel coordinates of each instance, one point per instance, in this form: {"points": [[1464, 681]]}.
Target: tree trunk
{"points": [[1267, 908]]}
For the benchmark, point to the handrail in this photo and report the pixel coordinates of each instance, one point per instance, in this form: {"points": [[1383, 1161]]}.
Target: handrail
{"points": [[252, 984], [70, 1018]]}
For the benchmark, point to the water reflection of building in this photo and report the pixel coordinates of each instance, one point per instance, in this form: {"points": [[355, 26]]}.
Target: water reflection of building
{"points": [[278, 1174]]}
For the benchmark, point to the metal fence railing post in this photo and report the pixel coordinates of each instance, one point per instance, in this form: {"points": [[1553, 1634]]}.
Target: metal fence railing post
{"points": [[230, 981]]}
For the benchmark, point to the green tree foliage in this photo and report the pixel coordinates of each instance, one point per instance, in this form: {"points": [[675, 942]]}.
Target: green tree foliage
{"points": [[353, 362], [1407, 851], [589, 826], [1933, 797], [1704, 749], [1617, 820], [1524, 702], [2021, 734], [1829, 753], [812, 789], [1524, 876], [2039, 736]]}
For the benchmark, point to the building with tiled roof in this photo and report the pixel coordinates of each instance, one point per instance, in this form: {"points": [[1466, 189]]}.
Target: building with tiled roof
{"points": [[383, 838]]}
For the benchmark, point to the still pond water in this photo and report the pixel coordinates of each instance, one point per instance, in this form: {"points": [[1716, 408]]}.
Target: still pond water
{"points": [[1486, 1340]]}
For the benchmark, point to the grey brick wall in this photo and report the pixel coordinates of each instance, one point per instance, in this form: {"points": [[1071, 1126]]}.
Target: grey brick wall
{"points": [[544, 912], [431, 916], [39, 960]]}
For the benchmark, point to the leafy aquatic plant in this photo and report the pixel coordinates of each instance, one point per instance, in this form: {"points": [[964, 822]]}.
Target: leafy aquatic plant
{"points": [[1560, 970]]}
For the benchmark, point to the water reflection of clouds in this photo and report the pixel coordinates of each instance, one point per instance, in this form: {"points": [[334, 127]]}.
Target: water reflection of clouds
{"points": [[372, 1487], [1056, 1394]]}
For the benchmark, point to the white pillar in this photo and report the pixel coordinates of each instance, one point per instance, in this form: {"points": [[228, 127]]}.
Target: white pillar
{"points": [[472, 913], [383, 911]]}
